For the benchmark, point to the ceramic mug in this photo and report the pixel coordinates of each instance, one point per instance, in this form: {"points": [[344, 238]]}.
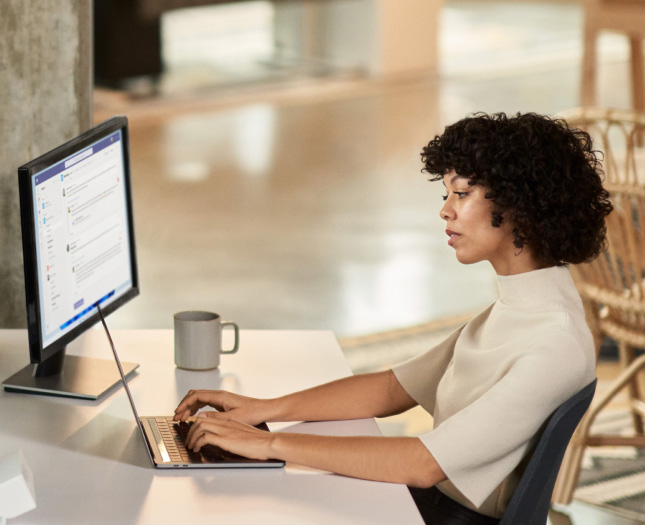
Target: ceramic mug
{"points": [[198, 340]]}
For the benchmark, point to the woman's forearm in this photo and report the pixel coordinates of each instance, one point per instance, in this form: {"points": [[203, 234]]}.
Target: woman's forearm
{"points": [[367, 395], [396, 460]]}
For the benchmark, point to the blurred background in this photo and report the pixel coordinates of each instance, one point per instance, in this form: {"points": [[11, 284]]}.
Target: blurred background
{"points": [[275, 148]]}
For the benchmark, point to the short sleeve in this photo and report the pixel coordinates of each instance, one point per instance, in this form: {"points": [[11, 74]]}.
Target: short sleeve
{"points": [[420, 375], [479, 446]]}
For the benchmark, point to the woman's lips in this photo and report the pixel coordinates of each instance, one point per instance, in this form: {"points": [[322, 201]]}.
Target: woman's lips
{"points": [[453, 237]]}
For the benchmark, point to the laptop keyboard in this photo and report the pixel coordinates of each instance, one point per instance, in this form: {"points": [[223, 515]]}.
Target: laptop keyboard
{"points": [[174, 435]]}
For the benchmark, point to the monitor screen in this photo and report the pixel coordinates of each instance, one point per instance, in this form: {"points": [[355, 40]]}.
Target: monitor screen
{"points": [[82, 237], [78, 238]]}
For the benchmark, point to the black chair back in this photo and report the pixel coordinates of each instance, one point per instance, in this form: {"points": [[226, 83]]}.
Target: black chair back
{"points": [[531, 500]]}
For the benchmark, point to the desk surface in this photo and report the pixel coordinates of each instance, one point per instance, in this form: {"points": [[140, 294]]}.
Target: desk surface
{"points": [[90, 465]]}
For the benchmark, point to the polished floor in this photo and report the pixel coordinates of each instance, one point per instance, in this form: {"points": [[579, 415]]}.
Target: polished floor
{"points": [[296, 201]]}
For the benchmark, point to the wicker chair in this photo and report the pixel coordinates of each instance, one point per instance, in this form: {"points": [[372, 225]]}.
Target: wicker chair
{"points": [[613, 286]]}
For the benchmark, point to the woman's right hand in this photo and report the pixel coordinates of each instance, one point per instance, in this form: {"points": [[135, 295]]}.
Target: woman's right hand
{"points": [[227, 406]]}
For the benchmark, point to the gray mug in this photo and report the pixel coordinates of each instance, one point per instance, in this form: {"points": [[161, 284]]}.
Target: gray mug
{"points": [[198, 340]]}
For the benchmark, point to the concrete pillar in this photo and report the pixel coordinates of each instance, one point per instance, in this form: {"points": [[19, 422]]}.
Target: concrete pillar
{"points": [[45, 99]]}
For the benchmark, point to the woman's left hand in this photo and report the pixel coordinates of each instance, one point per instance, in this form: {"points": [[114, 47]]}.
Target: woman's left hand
{"points": [[231, 435], [396, 460]]}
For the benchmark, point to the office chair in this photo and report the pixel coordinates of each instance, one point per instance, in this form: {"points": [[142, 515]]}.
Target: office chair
{"points": [[531, 500]]}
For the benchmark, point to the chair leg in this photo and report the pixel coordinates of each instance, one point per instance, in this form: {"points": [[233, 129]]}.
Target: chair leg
{"points": [[638, 79], [638, 95], [633, 388], [588, 76]]}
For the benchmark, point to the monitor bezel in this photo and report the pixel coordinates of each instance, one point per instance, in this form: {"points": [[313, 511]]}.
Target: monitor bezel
{"points": [[37, 352]]}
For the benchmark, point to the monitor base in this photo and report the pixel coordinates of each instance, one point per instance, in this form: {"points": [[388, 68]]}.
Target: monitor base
{"points": [[81, 378]]}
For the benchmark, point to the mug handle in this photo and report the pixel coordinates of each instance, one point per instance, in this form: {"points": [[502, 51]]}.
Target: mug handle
{"points": [[237, 337]]}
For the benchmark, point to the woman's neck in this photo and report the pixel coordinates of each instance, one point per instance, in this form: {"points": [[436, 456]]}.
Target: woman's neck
{"points": [[519, 261]]}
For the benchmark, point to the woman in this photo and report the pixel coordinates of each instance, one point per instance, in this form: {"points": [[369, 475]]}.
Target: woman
{"points": [[525, 194]]}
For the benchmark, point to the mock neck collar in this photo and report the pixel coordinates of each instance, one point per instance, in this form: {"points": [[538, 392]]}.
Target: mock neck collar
{"points": [[535, 288]]}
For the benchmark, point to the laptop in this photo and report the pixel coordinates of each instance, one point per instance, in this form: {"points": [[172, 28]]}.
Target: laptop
{"points": [[164, 438]]}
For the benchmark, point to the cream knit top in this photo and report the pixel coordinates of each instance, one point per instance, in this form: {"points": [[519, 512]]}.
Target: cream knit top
{"points": [[491, 385]]}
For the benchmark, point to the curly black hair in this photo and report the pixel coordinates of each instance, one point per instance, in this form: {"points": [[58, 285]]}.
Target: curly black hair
{"points": [[540, 174]]}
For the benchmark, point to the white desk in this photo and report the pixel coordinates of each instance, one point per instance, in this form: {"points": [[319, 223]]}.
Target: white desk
{"points": [[90, 465]]}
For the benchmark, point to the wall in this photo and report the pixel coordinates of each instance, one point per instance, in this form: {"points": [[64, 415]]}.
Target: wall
{"points": [[46, 98]]}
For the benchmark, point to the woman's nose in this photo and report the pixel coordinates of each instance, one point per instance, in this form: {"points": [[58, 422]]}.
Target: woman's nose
{"points": [[446, 212]]}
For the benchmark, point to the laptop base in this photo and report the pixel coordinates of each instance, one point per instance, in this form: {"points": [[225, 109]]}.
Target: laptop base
{"points": [[167, 449]]}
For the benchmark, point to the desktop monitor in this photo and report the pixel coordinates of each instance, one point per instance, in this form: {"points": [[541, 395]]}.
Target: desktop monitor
{"points": [[79, 251]]}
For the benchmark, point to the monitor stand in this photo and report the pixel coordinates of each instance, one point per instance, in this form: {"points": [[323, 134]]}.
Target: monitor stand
{"points": [[79, 377]]}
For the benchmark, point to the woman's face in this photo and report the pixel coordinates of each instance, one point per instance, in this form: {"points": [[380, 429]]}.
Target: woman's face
{"points": [[468, 216]]}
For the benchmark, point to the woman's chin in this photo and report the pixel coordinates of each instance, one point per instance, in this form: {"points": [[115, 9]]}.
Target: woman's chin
{"points": [[466, 259]]}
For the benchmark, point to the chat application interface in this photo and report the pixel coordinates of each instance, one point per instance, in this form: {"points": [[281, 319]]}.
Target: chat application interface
{"points": [[83, 247]]}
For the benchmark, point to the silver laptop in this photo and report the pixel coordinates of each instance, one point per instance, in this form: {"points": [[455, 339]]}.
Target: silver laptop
{"points": [[164, 438]]}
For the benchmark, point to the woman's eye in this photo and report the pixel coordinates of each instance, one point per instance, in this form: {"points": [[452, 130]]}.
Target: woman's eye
{"points": [[459, 194]]}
